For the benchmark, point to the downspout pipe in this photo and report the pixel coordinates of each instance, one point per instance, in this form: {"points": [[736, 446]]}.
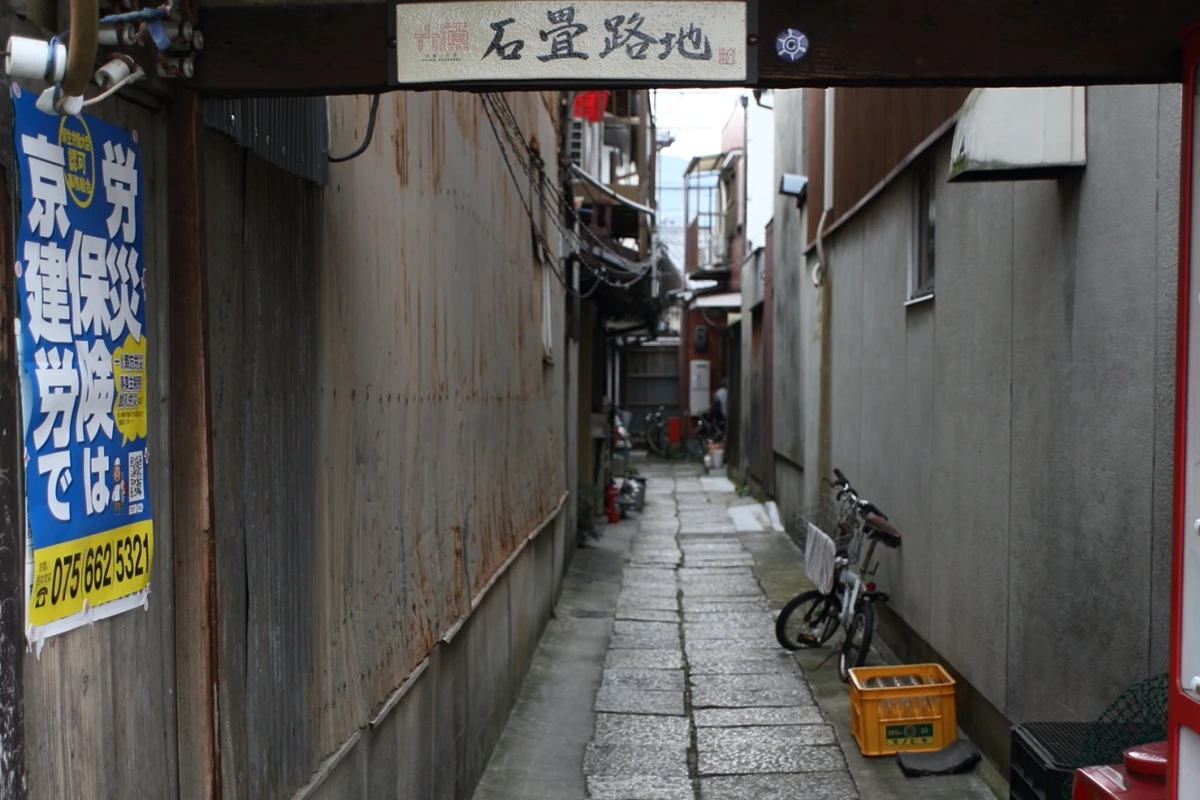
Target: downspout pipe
{"points": [[81, 49]]}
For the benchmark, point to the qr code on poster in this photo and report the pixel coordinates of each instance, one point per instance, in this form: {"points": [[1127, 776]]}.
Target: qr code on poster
{"points": [[137, 484]]}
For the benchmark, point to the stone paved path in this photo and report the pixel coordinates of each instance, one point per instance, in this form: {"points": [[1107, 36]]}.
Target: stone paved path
{"points": [[659, 677], [696, 700]]}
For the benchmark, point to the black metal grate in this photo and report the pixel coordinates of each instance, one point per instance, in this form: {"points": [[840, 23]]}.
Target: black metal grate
{"points": [[1045, 755], [1042, 758], [1057, 742]]}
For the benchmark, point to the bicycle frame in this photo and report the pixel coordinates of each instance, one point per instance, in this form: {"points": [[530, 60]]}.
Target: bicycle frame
{"points": [[850, 579], [852, 589]]}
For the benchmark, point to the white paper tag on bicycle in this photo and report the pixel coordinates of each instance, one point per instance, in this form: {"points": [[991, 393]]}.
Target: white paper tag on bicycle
{"points": [[819, 555]]}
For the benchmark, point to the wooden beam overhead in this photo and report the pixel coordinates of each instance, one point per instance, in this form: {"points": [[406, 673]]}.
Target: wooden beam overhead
{"points": [[977, 42], [346, 48]]}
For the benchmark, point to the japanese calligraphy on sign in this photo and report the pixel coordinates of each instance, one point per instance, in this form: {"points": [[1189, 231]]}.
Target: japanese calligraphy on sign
{"points": [[82, 344], [643, 40]]}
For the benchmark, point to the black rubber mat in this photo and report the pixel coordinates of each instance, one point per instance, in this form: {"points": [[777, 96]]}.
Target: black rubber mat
{"points": [[960, 756]]}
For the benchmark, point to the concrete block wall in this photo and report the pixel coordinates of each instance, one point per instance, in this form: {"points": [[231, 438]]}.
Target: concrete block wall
{"points": [[1017, 427]]}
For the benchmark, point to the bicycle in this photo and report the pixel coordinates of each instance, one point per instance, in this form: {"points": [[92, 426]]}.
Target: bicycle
{"points": [[656, 431], [850, 602], [709, 428]]}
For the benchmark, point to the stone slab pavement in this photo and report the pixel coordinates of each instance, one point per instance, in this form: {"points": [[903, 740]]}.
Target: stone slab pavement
{"points": [[690, 698]]}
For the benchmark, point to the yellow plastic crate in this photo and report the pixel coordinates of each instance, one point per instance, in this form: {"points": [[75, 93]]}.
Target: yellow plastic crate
{"points": [[902, 709]]}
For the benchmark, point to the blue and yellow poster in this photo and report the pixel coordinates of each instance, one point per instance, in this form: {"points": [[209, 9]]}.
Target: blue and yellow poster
{"points": [[82, 348]]}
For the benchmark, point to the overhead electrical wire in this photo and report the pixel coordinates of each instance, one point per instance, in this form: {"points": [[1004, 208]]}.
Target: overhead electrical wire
{"points": [[634, 271], [512, 142], [540, 236], [136, 75]]}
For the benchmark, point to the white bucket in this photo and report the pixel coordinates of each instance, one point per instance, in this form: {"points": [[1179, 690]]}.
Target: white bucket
{"points": [[718, 457]]}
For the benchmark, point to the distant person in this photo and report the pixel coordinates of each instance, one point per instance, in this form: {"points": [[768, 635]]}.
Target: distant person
{"points": [[720, 404]]}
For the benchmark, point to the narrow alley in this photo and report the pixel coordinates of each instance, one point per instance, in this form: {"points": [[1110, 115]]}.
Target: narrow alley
{"points": [[483, 400], [660, 677]]}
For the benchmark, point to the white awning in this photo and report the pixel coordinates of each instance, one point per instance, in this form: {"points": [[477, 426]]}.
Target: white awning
{"points": [[726, 300], [1020, 133]]}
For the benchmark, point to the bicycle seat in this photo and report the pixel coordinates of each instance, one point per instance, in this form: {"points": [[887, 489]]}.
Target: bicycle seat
{"points": [[881, 530]]}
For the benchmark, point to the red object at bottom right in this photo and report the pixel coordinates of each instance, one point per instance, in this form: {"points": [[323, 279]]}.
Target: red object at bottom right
{"points": [[1142, 776]]}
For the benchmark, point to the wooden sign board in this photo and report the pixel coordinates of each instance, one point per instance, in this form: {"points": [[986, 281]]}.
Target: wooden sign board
{"points": [[584, 42]]}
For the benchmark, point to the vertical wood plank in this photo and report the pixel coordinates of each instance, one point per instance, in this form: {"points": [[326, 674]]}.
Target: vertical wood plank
{"points": [[12, 541], [196, 630]]}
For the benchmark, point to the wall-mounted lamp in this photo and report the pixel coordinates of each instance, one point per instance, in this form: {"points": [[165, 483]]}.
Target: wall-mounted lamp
{"points": [[793, 186]]}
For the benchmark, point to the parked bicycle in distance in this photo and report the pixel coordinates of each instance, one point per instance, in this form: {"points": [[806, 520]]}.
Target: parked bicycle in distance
{"points": [[811, 618], [708, 431], [656, 431]]}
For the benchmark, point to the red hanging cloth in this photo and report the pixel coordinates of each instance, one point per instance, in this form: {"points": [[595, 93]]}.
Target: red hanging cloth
{"points": [[591, 105]]}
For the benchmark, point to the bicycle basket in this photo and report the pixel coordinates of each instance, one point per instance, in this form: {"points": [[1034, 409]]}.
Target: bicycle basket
{"points": [[833, 519]]}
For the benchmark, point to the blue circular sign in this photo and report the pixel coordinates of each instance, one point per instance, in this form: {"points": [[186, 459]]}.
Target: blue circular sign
{"points": [[791, 45]]}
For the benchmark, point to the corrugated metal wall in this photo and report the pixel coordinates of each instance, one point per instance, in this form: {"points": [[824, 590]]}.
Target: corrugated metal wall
{"points": [[290, 132], [875, 130], [386, 431], [100, 702]]}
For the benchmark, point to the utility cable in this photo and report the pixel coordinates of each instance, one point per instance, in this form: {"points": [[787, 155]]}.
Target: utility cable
{"points": [[136, 75], [495, 113], [362, 148], [541, 238], [503, 110], [501, 117]]}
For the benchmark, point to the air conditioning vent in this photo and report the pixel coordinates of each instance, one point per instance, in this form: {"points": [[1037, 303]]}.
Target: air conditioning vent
{"points": [[575, 142]]}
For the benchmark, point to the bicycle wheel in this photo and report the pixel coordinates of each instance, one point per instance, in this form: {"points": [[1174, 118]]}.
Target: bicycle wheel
{"points": [[858, 641], [656, 439], [808, 620]]}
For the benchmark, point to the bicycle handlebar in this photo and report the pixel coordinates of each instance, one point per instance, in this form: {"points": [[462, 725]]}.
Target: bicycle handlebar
{"points": [[870, 508], [842, 484]]}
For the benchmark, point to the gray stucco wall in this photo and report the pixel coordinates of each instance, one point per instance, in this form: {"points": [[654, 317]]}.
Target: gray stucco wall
{"points": [[797, 346], [1017, 427], [787, 276]]}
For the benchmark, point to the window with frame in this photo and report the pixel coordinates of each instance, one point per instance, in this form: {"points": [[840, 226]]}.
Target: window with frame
{"points": [[922, 261]]}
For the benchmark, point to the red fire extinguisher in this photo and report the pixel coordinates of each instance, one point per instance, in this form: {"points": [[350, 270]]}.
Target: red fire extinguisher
{"points": [[610, 504]]}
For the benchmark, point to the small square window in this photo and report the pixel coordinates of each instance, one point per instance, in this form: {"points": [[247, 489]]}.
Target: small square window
{"points": [[922, 260]]}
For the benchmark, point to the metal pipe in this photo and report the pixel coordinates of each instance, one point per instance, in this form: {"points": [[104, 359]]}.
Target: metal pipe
{"points": [[745, 215], [650, 212], [81, 47], [825, 408]]}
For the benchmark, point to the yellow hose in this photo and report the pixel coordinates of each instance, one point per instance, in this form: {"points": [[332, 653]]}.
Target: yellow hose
{"points": [[81, 48]]}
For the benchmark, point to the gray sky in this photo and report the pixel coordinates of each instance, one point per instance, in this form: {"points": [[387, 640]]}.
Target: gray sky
{"points": [[695, 117]]}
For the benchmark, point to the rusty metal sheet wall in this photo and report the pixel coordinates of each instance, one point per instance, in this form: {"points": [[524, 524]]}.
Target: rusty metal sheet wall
{"points": [[99, 702], [386, 431]]}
